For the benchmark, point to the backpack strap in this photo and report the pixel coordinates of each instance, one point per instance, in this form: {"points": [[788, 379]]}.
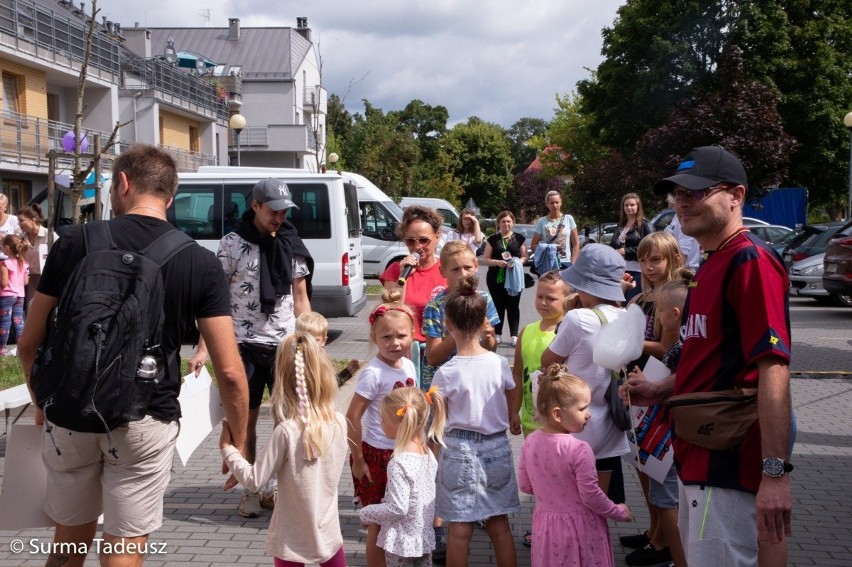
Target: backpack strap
{"points": [[96, 236], [600, 315], [166, 246]]}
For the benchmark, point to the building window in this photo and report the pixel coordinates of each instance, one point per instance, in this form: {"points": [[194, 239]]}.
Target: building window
{"points": [[194, 140], [11, 90], [17, 191]]}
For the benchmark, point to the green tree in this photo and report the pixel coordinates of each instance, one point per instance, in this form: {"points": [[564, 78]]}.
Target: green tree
{"points": [[383, 152], [524, 136], [426, 123], [482, 163], [339, 122], [742, 116]]}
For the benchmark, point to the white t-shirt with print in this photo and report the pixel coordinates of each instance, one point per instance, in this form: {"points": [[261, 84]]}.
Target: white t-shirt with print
{"points": [[557, 232], [375, 380], [241, 262], [575, 341]]}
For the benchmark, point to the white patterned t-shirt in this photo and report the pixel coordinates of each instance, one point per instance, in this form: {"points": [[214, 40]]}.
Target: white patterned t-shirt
{"points": [[241, 262]]}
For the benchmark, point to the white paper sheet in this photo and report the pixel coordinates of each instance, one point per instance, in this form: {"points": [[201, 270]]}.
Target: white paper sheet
{"points": [[655, 453], [201, 409], [24, 480]]}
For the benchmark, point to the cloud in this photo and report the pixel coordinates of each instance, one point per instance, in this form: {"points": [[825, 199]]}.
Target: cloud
{"points": [[499, 60]]}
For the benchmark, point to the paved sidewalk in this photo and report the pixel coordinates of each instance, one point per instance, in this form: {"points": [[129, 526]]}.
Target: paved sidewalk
{"points": [[202, 528]]}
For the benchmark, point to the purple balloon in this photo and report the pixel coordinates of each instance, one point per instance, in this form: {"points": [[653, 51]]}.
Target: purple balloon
{"points": [[68, 142]]}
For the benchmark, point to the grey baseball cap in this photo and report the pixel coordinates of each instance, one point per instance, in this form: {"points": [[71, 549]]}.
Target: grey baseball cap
{"points": [[274, 193], [597, 271]]}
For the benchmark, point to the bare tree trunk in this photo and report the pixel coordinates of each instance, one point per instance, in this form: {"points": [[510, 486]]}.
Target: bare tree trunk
{"points": [[78, 179]]}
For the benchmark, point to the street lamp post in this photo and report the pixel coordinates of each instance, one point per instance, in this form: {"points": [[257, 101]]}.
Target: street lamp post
{"points": [[847, 121], [237, 122]]}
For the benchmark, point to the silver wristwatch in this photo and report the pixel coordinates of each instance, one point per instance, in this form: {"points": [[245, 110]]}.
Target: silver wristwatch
{"points": [[776, 467]]}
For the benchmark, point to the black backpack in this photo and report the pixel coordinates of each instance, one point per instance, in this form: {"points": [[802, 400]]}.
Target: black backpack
{"points": [[109, 316]]}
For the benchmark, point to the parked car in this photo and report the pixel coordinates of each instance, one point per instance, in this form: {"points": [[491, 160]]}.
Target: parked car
{"points": [[793, 238], [770, 233], [527, 231], [599, 233], [806, 281], [662, 219], [749, 222], [814, 244], [837, 273]]}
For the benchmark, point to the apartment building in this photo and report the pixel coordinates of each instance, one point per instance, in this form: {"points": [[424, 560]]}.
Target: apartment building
{"points": [[280, 96]]}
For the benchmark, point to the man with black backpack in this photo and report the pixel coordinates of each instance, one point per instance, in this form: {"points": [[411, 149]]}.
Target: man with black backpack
{"points": [[101, 357]]}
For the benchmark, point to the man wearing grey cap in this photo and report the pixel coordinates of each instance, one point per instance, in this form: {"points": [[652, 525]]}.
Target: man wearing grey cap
{"points": [[735, 503], [268, 269]]}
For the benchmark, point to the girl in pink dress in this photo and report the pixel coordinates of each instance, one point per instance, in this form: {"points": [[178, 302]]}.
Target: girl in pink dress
{"points": [[569, 522]]}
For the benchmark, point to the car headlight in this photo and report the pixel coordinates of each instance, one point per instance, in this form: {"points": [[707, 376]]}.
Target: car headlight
{"points": [[812, 271]]}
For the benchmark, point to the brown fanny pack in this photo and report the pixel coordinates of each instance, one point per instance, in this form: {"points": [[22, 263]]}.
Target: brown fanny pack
{"points": [[714, 420]]}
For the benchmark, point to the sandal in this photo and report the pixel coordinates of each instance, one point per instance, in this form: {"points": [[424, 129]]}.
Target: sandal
{"points": [[527, 540]]}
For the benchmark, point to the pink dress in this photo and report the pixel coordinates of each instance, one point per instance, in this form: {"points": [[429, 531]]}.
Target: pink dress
{"points": [[569, 523]]}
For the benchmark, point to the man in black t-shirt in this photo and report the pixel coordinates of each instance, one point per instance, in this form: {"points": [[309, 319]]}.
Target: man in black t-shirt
{"points": [[81, 482]]}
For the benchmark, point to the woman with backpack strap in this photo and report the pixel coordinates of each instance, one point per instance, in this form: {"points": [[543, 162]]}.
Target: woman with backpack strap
{"points": [[557, 228]]}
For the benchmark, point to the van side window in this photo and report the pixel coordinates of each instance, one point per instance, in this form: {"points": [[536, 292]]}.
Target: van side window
{"points": [[194, 212], [377, 221], [313, 217], [237, 200], [353, 219]]}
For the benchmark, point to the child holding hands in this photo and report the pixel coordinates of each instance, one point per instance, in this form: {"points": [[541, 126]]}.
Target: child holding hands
{"points": [[405, 515], [569, 521], [307, 450]]}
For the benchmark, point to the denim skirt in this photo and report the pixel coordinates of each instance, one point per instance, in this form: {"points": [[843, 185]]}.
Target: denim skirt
{"points": [[476, 477]]}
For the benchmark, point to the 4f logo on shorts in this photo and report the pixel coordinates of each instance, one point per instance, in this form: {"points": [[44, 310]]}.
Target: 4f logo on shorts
{"points": [[773, 341]]}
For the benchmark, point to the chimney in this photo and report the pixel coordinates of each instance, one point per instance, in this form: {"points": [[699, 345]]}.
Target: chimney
{"points": [[302, 28], [233, 29]]}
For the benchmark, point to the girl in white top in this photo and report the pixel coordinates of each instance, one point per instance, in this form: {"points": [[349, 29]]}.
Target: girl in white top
{"points": [[467, 231], [596, 276], [408, 509], [392, 330], [476, 476], [8, 223], [307, 450]]}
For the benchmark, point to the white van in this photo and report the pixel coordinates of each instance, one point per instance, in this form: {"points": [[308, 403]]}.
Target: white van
{"points": [[208, 205], [379, 219], [448, 211]]}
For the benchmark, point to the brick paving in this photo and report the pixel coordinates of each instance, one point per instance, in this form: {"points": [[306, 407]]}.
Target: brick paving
{"points": [[202, 528]]}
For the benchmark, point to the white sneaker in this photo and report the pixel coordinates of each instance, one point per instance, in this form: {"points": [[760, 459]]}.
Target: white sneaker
{"points": [[249, 505], [514, 341]]}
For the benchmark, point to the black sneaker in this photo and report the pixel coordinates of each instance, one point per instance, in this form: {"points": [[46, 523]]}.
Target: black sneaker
{"points": [[439, 554], [648, 556], [637, 541]]}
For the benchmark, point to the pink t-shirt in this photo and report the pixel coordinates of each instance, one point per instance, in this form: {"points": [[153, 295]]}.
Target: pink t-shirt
{"points": [[420, 287], [17, 278]]}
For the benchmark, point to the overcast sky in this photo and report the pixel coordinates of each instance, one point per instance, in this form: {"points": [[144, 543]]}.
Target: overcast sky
{"points": [[497, 59]]}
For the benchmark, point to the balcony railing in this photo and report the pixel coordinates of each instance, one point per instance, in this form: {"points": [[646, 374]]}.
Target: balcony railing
{"points": [[188, 161], [276, 138], [25, 140], [59, 36], [146, 74]]}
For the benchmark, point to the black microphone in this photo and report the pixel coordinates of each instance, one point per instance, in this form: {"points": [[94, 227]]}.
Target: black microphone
{"points": [[406, 271]]}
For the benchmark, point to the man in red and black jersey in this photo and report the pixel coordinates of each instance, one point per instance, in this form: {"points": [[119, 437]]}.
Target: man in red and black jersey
{"points": [[735, 504]]}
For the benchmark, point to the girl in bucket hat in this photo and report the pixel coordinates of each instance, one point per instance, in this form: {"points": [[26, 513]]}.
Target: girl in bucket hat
{"points": [[596, 276]]}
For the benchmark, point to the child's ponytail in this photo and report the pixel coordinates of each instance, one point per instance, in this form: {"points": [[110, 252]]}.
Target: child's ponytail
{"points": [[409, 407], [304, 389], [18, 246]]}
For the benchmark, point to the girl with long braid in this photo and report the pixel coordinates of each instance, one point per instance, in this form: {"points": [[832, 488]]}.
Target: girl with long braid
{"points": [[307, 451]]}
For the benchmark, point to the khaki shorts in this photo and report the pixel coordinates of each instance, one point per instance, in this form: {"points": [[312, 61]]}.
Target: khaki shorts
{"points": [[85, 480], [718, 526]]}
